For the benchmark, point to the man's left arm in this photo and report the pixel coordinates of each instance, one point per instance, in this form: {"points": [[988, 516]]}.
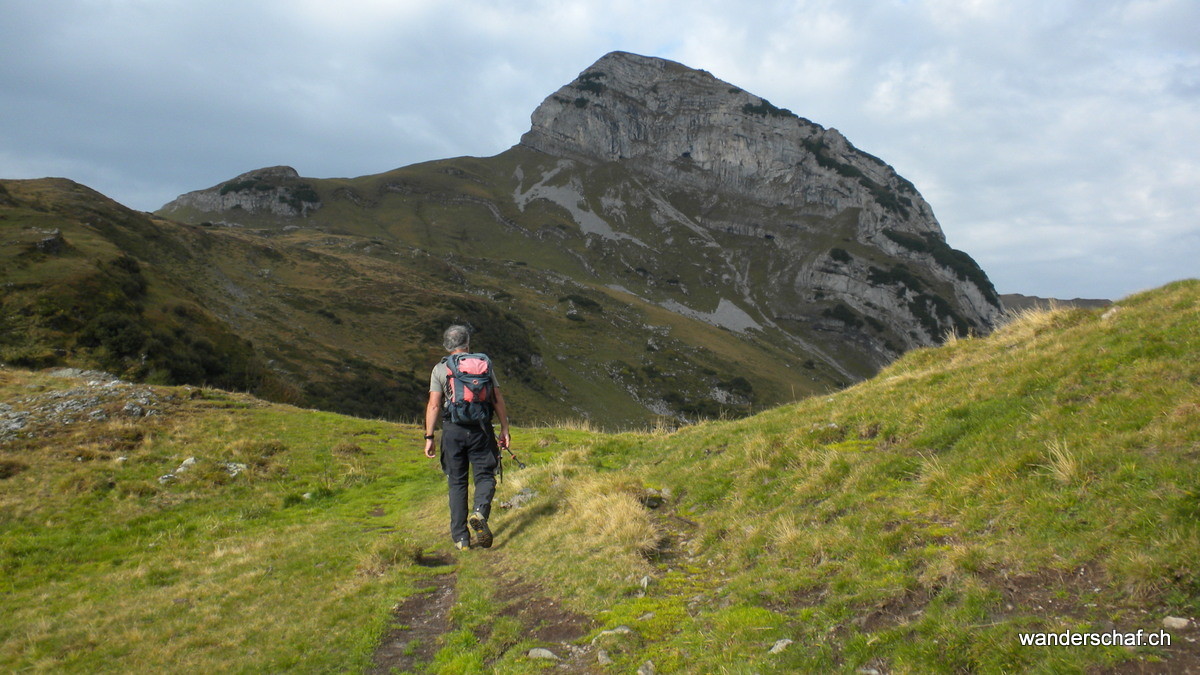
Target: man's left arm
{"points": [[502, 413]]}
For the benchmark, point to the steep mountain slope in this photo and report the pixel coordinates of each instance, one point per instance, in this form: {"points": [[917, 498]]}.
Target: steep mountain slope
{"points": [[655, 184], [348, 323], [659, 244], [732, 162]]}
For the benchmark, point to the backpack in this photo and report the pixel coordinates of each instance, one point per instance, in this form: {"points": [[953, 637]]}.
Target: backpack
{"points": [[471, 388]]}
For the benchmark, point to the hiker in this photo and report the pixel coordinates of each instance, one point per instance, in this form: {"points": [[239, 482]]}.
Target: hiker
{"points": [[464, 392]]}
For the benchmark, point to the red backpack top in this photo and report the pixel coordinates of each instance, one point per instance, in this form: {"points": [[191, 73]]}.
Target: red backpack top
{"points": [[472, 388]]}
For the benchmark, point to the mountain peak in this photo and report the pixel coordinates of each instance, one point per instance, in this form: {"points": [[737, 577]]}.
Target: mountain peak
{"points": [[285, 172], [689, 128], [275, 189], [604, 114]]}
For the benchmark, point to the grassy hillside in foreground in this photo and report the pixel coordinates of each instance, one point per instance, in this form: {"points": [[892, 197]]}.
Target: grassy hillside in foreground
{"points": [[1040, 479]]}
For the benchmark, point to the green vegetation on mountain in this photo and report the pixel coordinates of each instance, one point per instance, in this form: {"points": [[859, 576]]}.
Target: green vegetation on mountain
{"points": [[1043, 478], [348, 318]]}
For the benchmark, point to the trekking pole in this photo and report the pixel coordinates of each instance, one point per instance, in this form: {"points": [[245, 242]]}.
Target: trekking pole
{"points": [[513, 455]]}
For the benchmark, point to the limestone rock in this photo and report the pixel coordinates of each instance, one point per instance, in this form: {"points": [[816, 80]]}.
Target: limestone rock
{"points": [[1175, 623], [523, 497], [765, 172], [685, 126], [780, 646], [51, 244], [539, 653], [275, 190]]}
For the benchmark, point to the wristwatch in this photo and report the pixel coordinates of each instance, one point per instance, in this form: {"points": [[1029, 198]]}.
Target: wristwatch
{"points": [[429, 437]]}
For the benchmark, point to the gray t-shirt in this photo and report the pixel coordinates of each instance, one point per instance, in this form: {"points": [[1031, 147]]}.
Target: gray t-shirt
{"points": [[439, 382]]}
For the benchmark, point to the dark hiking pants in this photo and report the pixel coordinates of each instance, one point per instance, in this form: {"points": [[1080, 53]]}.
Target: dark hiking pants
{"points": [[464, 448]]}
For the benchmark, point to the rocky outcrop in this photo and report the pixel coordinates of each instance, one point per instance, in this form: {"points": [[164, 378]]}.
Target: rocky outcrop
{"points": [[686, 128], [757, 170], [278, 191], [93, 397]]}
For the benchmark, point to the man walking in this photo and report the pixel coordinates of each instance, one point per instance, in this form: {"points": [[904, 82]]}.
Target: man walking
{"points": [[464, 392]]}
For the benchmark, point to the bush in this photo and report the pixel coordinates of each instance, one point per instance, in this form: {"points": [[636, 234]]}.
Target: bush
{"points": [[591, 82], [119, 334], [330, 315], [740, 386], [347, 448], [959, 262], [244, 185], [844, 314], [898, 274], [582, 302], [371, 392], [766, 109], [499, 333], [884, 196], [10, 468]]}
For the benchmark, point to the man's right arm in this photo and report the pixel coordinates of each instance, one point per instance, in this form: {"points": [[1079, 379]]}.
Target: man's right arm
{"points": [[432, 409]]}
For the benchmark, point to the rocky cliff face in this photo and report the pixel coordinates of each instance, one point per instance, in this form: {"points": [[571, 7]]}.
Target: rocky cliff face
{"points": [[276, 190], [756, 169], [686, 128]]}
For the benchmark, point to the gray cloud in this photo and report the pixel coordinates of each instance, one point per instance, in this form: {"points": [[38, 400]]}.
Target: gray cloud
{"points": [[1054, 140]]}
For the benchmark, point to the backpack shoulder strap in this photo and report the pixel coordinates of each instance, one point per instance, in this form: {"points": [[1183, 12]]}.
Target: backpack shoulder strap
{"points": [[454, 376]]}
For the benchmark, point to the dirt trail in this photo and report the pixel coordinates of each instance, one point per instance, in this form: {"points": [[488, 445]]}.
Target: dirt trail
{"points": [[418, 623], [421, 620]]}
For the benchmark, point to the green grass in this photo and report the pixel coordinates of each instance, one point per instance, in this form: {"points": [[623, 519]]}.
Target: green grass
{"points": [[105, 567], [939, 504], [1040, 479]]}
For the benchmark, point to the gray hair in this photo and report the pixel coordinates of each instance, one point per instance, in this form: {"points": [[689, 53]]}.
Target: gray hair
{"points": [[456, 337]]}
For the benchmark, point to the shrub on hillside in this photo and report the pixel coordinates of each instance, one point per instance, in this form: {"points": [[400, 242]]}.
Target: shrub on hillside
{"points": [[499, 333], [962, 264], [366, 390]]}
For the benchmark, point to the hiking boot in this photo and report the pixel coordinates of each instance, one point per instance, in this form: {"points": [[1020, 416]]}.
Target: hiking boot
{"points": [[482, 534], [463, 544]]}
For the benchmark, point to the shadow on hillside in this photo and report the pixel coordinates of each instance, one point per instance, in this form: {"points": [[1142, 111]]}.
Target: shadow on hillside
{"points": [[518, 519]]}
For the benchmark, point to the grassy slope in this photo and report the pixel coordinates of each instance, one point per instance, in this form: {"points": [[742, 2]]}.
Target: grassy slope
{"points": [[105, 567], [450, 207], [315, 304], [1042, 478]]}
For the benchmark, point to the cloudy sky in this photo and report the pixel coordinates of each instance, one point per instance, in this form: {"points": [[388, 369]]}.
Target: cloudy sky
{"points": [[1058, 141]]}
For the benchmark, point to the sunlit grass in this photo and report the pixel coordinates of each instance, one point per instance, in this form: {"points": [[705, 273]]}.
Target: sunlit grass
{"points": [[1042, 478]]}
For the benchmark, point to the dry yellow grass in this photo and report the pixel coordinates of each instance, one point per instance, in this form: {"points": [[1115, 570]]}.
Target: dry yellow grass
{"points": [[1064, 464], [573, 424], [787, 532], [606, 515]]}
